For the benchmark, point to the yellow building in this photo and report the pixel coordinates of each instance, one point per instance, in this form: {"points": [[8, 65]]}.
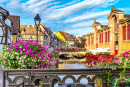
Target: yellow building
{"points": [[115, 35], [66, 37]]}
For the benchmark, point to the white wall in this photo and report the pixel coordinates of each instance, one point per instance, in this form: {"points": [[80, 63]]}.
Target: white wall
{"points": [[8, 22], [1, 32], [1, 46]]}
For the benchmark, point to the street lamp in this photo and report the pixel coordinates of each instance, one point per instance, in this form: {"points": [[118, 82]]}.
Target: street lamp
{"points": [[37, 20]]}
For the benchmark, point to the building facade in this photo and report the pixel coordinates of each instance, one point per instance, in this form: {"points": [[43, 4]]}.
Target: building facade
{"points": [[66, 37], [29, 32], [115, 35], [8, 27]]}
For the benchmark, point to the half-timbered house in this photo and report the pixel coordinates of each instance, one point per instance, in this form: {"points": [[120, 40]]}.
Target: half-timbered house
{"points": [[5, 28]]}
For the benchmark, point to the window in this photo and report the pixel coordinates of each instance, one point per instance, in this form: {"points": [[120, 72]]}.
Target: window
{"points": [[88, 40], [102, 37], [45, 40], [30, 37], [128, 32], [106, 36], [124, 33], [92, 39]]}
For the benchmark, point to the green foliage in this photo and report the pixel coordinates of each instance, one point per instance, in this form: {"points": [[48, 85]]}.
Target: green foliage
{"points": [[123, 72]]}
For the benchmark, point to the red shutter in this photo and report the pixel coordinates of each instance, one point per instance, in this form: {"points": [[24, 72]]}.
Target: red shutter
{"points": [[102, 37], [106, 36], [129, 31], [124, 33], [93, 39]]}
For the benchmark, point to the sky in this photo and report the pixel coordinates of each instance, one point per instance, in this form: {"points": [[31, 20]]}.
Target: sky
{"points": [[72, 16]]}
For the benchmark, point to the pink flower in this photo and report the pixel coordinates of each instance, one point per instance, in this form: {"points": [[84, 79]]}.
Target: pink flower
{"points": [[27, 53], [117, 61], [123, 54], [39, 67], [41, 58], [8, 50]]}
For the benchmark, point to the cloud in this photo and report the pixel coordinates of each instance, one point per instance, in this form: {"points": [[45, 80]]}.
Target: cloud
{"points": [[124, 9], [1, 1], [13, 4], [80, 31], [83, 28], [63, 12], [86, 17], [36, 6]]}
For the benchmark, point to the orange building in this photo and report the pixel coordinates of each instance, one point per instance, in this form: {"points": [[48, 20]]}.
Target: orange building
{"points": [[115, 35]]}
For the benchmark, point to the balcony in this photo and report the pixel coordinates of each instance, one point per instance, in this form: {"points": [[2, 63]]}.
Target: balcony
{"points": [[29, 76]]}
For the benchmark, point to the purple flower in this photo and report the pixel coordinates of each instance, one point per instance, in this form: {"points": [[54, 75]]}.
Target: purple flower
{"points": [[27, 53], [41, 58], [123, 54]]}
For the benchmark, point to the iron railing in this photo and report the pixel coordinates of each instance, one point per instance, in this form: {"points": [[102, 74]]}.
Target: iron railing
{"points": [[29, 76]]}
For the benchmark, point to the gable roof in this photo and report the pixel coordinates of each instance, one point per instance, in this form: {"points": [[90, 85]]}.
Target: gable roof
{"points": [[16, 23], [118, 10], [127, 15], [67, 36], [31, 30], [84, 36], [4, 12]]}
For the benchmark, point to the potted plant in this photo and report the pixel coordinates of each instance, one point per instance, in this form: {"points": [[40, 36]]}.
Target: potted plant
{"points": [[114, 62]]}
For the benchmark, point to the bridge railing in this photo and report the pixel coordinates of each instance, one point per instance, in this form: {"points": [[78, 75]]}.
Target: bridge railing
{"points": [[29, 76]]}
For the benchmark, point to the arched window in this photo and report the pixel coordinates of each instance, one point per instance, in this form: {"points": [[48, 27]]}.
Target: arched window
{"points": [[100, 38], [92, 40], [124, 33], [128, 32], [89, 40]]}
